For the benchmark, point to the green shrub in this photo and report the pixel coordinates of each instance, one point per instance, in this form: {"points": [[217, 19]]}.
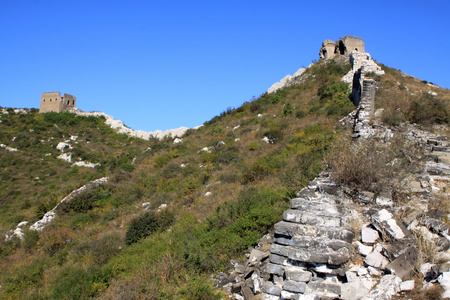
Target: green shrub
{"points": [[255, 172], [216, 130], [171, 170], [127, 167], [146, 224], [327, 92], [300, 114], [101, 250], [199, 288], [255, 107], [287, 109], [83, 202], [30, 239], [77, 283], [161, 160]]}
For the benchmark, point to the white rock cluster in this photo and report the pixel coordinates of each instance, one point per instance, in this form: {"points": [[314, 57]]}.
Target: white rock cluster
{"points": [[9, 148]]}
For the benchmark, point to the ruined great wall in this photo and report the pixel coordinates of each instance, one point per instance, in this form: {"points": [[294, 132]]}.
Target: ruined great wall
{"points": [[331, 245]]}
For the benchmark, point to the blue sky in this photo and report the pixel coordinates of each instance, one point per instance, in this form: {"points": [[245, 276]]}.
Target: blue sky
{"points": [[166, 64]]}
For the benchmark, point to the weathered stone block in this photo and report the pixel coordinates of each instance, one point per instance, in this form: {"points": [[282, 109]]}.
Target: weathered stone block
{"points": [[369, 235], [328, 269], [397, 248], [288, 229], [321, 286], [270, 288], [403, 266], [384, 223], [247, 293], [285, 295], [294, 286], [257, 256], [356, 289], [407, 285], [377, 260], [363, 249], [301, 217], [388, 286], [318, 242], [297, 274], [278, 259], [275, 269], [280, 249], [314, 256], [320, 207]]}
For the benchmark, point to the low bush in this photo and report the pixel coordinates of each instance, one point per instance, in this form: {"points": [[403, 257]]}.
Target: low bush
{"points": [[146, 224], [369, 165], [274, 135], [429, 110], [255, 172]]}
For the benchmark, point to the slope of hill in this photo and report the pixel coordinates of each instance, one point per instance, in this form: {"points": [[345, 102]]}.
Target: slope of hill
{"points": [[172, 212]]}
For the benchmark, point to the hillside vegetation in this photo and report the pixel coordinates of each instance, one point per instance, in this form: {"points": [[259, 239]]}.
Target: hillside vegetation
{"points": [[171, 214]]}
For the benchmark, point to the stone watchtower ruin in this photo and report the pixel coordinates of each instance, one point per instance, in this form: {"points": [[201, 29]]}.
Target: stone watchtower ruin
{"points": [[54, 102], [343, 46]]}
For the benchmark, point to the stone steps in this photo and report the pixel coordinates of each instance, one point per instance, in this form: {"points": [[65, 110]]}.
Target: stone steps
{"points": [[289, 230], [309, 241], [321, 205], [311, 218], [312, 230]]}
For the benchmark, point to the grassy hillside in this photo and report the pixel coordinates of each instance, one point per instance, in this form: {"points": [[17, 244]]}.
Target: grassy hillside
{"points": [[171, 213]]}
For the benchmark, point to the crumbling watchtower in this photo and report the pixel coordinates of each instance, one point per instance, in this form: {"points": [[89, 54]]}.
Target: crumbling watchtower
{"points": [[343, 46], [54, 102]]}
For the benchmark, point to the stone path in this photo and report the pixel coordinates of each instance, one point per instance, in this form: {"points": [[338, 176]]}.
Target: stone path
{"points": [[310, 243]]}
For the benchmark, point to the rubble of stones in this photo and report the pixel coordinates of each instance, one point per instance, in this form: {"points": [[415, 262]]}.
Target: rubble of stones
{"points": [[333, 244]]}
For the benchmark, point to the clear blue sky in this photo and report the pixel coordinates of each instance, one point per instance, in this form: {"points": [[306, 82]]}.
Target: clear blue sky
{"points": [[166, 64]]}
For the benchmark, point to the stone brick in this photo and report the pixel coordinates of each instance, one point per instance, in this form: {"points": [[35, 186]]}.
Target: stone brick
{"points": [[297, 274], [403, 266], [293, 286], [270, 288]]}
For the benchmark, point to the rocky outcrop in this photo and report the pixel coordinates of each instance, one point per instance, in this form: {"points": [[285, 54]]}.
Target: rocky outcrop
{"points": [[285, 81], [121, 128]]}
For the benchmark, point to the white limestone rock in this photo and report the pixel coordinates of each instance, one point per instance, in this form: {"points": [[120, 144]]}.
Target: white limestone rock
{"points": [[388, 286], [363, 249], [65, 156], [356, 289], [376, 260], [373, 271], [362, 271], [62, 145], [444, 280], [369, 235], [407, 285], [85, 164], [9, 148]]}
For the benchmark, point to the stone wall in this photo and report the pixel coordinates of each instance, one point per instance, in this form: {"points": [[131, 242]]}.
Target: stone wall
{"points": [[53, 102]]}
